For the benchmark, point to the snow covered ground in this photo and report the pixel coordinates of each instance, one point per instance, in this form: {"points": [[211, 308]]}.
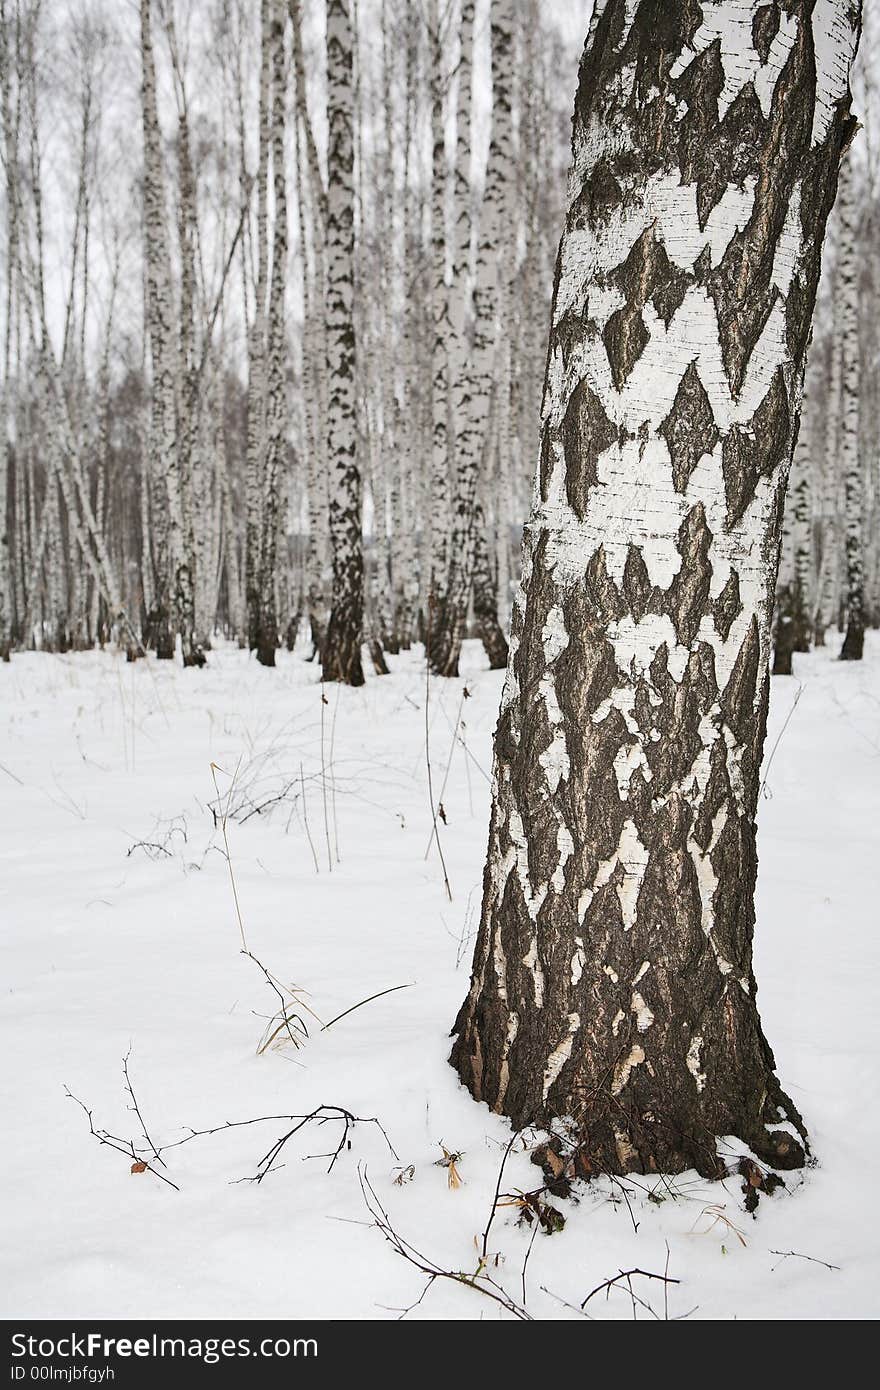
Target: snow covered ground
{"points": [[120, 932]]}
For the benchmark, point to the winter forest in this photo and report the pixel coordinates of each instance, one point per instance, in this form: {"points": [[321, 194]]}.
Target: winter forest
{"points": [[430, 424]]}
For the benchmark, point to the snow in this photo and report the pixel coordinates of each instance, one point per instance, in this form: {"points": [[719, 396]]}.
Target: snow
{"points": [[110, 947]]}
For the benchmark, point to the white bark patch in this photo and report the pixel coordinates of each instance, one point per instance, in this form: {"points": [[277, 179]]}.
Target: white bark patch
{"points": [[624, 1069], [612, 974], [683, 237], [619, 1017], [642, 971], [693, 1061], [533, 901], [626, 760], [554, 636], [499, 959], [788, 247], [644, 1015], [578, 960], [561, 1053], [533, 965], [633, 856], [731, 27], [565, 845], [834, 36], [636, 643], [554, 759], [707, 879], [504, 1071]]}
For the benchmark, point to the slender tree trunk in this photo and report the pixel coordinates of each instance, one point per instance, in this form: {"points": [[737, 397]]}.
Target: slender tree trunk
{"points": [[477, 364], [341, 654], [276, 361], [803, 467], [257, 354], [439, 488], [850, 454], [177, 580], [613, 995], [10, 160], [826, 586]]}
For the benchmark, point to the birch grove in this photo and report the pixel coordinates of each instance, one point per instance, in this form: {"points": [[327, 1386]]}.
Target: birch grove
{"points": [[439, 560], [272, 314]]}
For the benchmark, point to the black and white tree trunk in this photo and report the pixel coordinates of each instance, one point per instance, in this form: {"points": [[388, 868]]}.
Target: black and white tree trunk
{"points": [[341, 654], [850, 456], [276, 360], [613, 992], [477, 363], [175, 597]]}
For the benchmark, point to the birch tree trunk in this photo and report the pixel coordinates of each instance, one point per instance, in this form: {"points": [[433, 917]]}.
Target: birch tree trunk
{"points": [[791, 617], [850, 456], [341, 654], [439, 492], [177, 598], [803, 467], [10, 161], [613, 994], [257, 364], [466, 416], [476, 364], [276, 361]]}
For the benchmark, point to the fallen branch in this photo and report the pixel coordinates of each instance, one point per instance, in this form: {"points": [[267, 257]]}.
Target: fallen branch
{"points": [[796, 1255], [120, 1145], [480, 1281], [628, 1275]]}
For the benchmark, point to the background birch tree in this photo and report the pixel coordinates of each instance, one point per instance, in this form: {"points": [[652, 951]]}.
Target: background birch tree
{"points": [[341, 656]]}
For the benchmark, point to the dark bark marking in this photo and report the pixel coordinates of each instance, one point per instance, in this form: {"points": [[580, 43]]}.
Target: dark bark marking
{"points": [[600, 194], [765, 27], [586, 431], [625, 337], [727, 606], [689, 429], [637, 587], [756, 450], [738, 696], [689, 591]]}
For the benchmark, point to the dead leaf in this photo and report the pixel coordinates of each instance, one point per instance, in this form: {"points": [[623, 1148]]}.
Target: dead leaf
{"points": [[448, 1161], [139, 1167], [554, 1162]]}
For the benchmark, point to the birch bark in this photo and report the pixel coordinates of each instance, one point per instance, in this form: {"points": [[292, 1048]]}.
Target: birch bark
{"points": [[176, 601], [613, 994], [341, 655], [850, 456], [477, 364]]}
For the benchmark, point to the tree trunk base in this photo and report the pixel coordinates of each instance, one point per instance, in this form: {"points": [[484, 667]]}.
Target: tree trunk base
{"points": [[380, 665], [660, 1130], [442, 653], [494, 642], [853, 643], [341, 654]]}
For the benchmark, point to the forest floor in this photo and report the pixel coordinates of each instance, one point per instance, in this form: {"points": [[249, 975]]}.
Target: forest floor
{"points": [[121, 937]]}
